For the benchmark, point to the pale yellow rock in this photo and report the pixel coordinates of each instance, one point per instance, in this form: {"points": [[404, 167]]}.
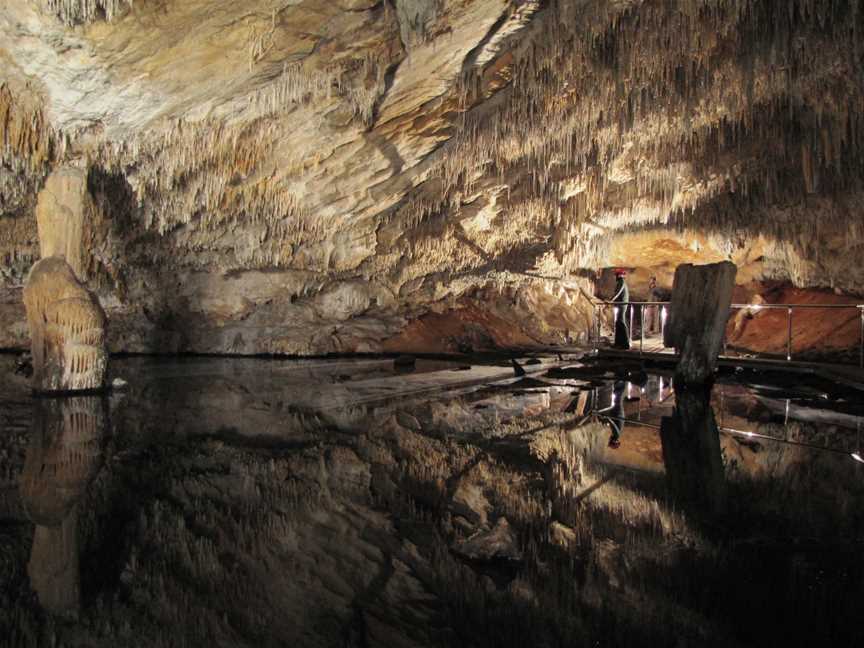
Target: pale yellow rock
{"points": [[65, 215], [67, 329], [433, 148]]}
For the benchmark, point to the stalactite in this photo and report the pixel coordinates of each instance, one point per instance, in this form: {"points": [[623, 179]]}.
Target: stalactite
{"points": [[74, 12], [644, 77]]}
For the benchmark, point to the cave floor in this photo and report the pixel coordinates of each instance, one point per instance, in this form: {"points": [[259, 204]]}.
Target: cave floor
{"points": [[439, 502]]}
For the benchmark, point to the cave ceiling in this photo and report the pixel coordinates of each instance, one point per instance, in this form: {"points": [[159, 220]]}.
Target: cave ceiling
{"points": [[395, 154]]}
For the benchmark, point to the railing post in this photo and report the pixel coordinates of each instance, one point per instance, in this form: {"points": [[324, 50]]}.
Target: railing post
{"points": [[789, 336], [861, 340], [600, 311], [641, 328], [594, 319], [663, 326], [630, 332]]}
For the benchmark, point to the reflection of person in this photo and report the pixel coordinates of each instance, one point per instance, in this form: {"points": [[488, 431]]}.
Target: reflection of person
{"points": [[621, 299], [616, 414]]}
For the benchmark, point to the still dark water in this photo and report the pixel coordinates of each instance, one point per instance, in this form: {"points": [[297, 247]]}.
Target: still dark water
{"points": [[365, 503]]}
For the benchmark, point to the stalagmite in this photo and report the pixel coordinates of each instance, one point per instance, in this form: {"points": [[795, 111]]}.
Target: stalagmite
{"points": [[701, 296], [67, 329]]}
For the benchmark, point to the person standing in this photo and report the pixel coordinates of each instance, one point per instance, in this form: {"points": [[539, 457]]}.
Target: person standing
{"points": [[621, 300], [652, 311]]}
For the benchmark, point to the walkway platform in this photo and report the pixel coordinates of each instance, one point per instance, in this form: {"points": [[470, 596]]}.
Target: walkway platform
{"points": [[846, 374]]}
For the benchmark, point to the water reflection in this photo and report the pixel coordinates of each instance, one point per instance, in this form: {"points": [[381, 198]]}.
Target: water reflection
{"points": [[615, 413], [691, 453], [495, 515], [64, 455]]}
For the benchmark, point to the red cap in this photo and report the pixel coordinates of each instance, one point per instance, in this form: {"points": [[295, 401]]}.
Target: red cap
{"points": [[620, 272]]}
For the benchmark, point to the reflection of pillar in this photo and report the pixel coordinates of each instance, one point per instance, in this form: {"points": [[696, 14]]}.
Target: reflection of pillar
{"points": [[53, 567], [691, 453], [64, 455]]}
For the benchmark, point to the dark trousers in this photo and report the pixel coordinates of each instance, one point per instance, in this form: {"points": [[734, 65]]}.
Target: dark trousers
{"points": [[622, 332]]}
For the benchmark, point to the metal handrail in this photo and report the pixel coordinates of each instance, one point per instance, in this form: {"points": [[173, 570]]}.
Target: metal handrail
{"points": [[751, 307], [782, 306], [736, 306], [632, 303]]}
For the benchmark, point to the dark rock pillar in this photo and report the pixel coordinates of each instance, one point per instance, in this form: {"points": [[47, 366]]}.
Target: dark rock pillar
{"points": [[701, 296]]}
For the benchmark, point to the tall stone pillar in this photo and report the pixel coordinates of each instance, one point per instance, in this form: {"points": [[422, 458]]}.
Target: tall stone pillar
{"points": [[701, 296], [65, 216], [67, 324]]}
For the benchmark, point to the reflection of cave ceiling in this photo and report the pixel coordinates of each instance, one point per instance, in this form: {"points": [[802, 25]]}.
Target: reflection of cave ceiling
{"points": [[402, 153]]}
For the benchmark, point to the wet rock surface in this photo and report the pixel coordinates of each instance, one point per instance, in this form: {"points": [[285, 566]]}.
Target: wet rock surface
{"points": [[366, 519]]}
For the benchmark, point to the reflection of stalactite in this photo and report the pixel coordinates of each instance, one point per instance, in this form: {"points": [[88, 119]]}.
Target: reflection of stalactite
{"points": [[65, 454], [67, 328]]}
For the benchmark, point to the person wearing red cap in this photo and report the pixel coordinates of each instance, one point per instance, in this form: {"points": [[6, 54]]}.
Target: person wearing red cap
{"points": [[621, 298]]}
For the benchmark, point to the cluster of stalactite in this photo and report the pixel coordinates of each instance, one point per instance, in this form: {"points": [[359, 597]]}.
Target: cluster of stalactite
{"points": [[209, 173], [660, 107], [28, 145], [75, 12], [358, 82], [216, 173], [607, 117]]}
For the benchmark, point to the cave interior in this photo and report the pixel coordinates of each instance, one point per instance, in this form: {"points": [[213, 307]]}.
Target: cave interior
{"points": [[307, 333]]}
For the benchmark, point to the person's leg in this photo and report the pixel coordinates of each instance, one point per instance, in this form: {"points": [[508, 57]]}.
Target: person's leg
{"points": [[626, 323]]}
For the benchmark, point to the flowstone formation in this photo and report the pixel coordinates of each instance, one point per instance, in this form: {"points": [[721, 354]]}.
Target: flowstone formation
{"points": [[67, 328], [701, 296]]}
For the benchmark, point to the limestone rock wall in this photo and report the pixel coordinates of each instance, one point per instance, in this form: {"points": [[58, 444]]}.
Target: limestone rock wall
{"points": [[308, 176]]}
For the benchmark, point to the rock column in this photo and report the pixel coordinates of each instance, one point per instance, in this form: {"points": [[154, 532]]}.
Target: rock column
{"points": [[67, 324], [701, 296], [65, 217]]}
